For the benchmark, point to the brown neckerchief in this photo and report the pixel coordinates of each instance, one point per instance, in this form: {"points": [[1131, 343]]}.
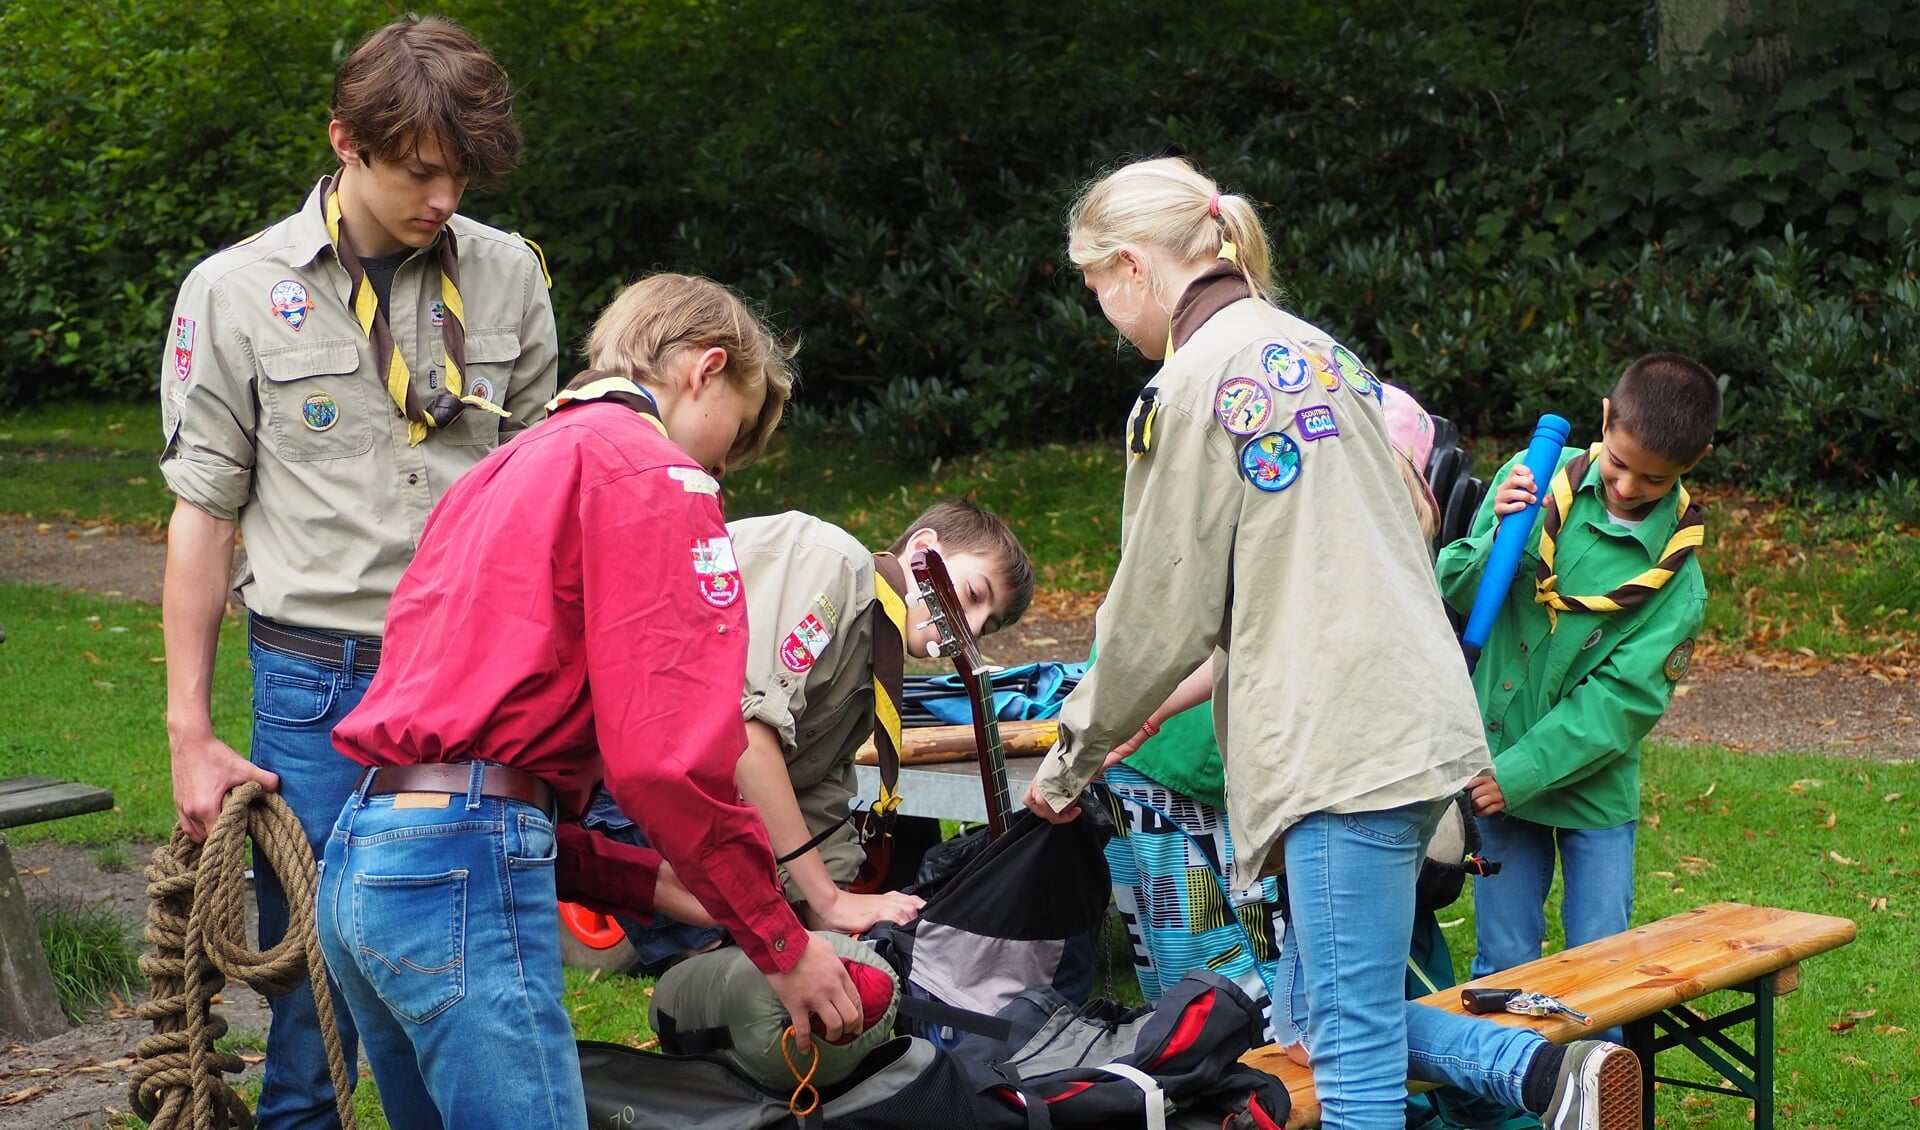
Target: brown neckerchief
{"points": [[889, 661], [1219, 286]]}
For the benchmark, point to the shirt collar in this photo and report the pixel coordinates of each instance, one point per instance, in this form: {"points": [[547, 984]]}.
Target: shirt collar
{"points": [[1212, 290], [307, 231], [1653, 533]]}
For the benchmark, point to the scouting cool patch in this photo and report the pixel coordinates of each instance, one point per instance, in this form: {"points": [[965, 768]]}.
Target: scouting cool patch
{"points": [[716, 571], [1678, 660], [804, 644]]}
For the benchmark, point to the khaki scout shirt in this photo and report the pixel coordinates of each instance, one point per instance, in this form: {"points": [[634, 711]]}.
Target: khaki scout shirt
{"points": [[331, 504], [1341, 687], [810, 609]]}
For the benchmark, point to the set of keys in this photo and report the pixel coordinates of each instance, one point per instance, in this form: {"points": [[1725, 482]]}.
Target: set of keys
{"points": [[1482, 1001]]}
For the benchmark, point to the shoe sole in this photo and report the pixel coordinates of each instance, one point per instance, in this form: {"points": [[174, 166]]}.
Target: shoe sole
{"points": [[1618, 1091]]}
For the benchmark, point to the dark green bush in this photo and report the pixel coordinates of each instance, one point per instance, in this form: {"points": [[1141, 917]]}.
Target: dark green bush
{"points": [[1498, 208]]}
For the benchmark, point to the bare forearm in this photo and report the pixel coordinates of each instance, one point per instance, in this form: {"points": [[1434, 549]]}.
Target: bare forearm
{"points": [[762, 777], [193, 599]]}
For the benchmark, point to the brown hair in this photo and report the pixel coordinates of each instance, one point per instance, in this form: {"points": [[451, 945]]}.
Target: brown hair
{"points": [[646, 324], [1669, 404], [967, 527], [428, 78], [1169, 204]]}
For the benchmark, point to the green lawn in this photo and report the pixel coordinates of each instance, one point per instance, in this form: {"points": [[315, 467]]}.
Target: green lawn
{"points": [[81, 693]]}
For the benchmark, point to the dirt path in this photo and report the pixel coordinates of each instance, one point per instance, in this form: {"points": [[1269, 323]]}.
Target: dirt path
{"points": [[79, 1079]]}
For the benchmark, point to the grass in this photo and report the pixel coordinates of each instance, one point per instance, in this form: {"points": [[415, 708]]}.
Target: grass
{"points": [[82, 691], [82, 696], [91, 949]]}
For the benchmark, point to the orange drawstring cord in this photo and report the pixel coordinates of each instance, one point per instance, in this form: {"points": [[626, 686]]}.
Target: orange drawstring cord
{"points": [[803, 1084]]}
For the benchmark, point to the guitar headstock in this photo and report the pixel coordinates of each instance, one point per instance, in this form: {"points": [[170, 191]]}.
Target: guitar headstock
{"points": [[944, 612]]}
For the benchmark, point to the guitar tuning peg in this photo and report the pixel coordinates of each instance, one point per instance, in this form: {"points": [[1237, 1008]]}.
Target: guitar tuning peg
{"points": [[933, 649]]}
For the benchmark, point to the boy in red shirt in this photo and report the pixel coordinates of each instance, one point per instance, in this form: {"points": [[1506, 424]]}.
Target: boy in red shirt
{"points": [[574, 601]]}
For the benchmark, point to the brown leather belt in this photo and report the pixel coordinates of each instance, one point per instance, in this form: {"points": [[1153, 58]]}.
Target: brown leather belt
{"points": [[314, 644], [455, 777]]}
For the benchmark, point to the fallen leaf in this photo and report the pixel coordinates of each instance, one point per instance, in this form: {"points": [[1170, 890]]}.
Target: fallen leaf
{"points": [[41, 870], [24, 1094], [1879, 903], [1862, 1013], [1042, 641], [1841, 859], [90, 657], [1853, 1061], [1889, 1030], [250, 1060], [1889, 798], [1841, 1025], [1832, 819]]}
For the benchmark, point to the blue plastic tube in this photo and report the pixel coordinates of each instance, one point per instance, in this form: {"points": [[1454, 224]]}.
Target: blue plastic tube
{"points": [[1510, 540]]}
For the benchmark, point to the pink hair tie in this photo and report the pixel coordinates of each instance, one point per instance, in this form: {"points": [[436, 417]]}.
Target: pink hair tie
{"points": [[1213, 205]]}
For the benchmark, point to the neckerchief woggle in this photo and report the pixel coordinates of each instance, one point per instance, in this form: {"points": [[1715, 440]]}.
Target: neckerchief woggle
{"points": [[390, 364]]}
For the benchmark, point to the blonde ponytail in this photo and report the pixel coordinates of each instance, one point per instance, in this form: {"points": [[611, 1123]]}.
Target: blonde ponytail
{"points": [[1167, 203]]}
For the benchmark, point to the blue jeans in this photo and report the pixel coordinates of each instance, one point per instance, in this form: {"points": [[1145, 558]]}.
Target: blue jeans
{"points": [[1343, 963], [296, 704], [1510, 909], [666, 937], [441, 926]]}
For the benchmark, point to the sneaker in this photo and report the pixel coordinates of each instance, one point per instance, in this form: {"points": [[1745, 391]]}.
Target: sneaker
{"points": [[1598, 1089]]}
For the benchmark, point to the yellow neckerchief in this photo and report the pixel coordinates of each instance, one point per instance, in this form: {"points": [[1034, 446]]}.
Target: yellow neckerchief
{"points": [[889, 657], [611, 386], [390, 364], [1688, 535]]}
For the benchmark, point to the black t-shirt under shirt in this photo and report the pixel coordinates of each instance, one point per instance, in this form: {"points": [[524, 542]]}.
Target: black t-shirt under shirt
{"points": [[380, 270]]}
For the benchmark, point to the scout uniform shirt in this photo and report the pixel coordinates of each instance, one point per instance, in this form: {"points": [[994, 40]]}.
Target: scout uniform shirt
{"points": [[810, 604], [274, 412], [1565, 708], [1264, 514], [618, 653]]}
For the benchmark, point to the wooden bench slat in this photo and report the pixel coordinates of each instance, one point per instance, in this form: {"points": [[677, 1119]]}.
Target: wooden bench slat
{"points": [[47, 799], [1626, 977], [10, 785]]}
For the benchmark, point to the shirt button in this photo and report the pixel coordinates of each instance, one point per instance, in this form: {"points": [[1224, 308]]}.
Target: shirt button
{"points": [[779, 945], [414, 478], [1494, 727], [1506, 686], [1523, 649]]}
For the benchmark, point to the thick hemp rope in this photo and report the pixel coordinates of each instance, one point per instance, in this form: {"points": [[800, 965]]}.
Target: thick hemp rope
{"points": [[196, 920]]}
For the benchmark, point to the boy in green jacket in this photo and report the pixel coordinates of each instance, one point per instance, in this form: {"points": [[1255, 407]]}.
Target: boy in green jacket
{"points": [[1582, 662]]}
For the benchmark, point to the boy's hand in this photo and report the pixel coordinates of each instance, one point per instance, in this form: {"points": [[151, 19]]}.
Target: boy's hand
{"points": [[1484, 795], [855, 914], [1516, 494], [818, 986], [1038, 805]]}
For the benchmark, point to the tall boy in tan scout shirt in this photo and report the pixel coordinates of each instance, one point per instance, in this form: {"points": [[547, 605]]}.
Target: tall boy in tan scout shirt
{"points": [[323, 383], [817, 622]]}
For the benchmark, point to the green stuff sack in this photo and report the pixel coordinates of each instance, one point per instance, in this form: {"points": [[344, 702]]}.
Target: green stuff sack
{"points": [[718, 1003]]}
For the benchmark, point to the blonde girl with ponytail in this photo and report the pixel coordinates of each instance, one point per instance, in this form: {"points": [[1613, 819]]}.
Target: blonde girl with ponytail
{"points": [[1266, 531]]}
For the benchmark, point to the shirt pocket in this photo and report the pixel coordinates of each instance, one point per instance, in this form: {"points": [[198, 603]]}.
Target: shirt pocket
{"points": [[490, 357], [315, 402]]}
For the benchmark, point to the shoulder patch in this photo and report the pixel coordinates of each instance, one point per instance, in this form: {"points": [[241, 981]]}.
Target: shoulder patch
{"points": [[1272, 462], [1678, 660], [804, 644], [183, 332], [1286, 365], [716, 571], [1242, 405], [1316, 422], [691, 479]]}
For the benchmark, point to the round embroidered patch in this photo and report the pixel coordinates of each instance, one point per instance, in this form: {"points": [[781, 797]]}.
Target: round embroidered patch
{"points": [[320, 412], [1286, 366], [1678, 660], [1272, 462], [483, 388], [1358, 379], [1242, 406]]}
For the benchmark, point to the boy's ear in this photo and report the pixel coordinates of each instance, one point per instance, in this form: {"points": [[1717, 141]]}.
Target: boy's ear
{"points": [[707, 365], [1706, 451], [341, 139], [1606, 414], [922, 538]]}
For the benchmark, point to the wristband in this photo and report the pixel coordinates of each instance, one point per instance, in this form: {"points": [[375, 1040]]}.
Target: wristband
{"points": [[1148, 728]]}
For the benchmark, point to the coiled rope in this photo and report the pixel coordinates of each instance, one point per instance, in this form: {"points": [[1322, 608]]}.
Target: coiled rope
{"points": [[196, 920]]}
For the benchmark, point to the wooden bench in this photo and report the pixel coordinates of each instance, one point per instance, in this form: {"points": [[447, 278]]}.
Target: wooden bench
{"points": [[29, 1004], [1640, 980]]}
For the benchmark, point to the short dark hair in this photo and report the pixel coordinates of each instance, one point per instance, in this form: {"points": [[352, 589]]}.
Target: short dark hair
{"points": [[422, 78], [1670, 405], [964, 526]]}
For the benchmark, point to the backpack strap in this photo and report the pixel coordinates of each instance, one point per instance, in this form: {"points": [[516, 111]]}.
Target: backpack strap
{"points": [[691, 1041], [947, 1016], [1155, 1098]]}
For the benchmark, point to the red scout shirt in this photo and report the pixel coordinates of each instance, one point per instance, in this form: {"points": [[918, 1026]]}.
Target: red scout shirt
{"points": [[574, 610]]}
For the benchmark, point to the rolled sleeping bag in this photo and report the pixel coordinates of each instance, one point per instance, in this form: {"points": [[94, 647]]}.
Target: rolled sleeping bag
{"points": [[718, 1003]]}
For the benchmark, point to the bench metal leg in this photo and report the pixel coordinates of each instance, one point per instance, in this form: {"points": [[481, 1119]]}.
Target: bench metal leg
{"points": [[1750, 1071]]}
